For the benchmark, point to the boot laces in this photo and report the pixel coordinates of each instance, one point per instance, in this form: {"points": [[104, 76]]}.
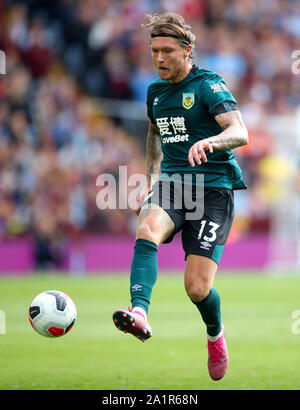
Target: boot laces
{"points": [[215, 349]]}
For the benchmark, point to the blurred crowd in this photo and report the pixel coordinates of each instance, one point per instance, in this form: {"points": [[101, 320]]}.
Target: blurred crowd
{"points": [[64, 56]]}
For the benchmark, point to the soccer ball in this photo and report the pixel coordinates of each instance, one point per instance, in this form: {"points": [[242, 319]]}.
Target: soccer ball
{"points": [[52, 313]]}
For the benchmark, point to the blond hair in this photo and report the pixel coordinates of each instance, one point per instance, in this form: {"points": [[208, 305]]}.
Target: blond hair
{"points": [[170, 25]]}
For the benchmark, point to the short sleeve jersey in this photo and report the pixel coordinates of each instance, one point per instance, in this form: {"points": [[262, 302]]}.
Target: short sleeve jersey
{"points": [[182, 112]]}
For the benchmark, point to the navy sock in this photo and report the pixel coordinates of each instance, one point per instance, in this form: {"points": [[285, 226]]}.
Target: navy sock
{"points": [[143, 273], [210, 309]]}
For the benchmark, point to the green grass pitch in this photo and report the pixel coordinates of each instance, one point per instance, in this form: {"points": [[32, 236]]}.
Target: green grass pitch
{"points": [[257, 313]]}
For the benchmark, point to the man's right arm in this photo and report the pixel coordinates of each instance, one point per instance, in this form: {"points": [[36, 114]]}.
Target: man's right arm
{"points": [[153, 160], [153, 155]]}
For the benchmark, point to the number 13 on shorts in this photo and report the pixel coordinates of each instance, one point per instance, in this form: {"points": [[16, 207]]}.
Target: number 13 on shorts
{"points": [[212, 231]]}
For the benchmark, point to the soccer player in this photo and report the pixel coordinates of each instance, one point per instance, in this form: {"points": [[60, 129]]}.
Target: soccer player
{"points": [[194, 124]]}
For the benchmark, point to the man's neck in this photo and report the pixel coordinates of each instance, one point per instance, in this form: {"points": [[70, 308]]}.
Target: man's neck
{"points": [[185, 72]]}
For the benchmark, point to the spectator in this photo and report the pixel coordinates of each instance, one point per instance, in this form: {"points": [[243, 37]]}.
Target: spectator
{"points": [[55, 139]]}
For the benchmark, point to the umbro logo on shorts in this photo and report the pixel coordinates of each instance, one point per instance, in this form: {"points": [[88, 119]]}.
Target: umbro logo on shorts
{"points": [[205, 245]]}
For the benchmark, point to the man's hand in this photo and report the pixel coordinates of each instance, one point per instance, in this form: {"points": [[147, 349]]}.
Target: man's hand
{"points": [[235, 135], [197, 152], [140, 198]]}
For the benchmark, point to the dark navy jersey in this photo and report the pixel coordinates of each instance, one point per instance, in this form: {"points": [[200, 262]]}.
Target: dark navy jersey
{"points": [[184, 113]]}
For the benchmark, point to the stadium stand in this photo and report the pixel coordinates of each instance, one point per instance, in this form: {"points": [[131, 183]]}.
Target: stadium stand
{"points": [[66, 60]]}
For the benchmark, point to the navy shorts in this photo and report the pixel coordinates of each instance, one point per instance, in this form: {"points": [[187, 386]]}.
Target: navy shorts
{"points": [[205, 229]]}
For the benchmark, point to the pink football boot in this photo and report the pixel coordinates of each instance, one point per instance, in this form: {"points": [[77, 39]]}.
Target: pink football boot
{"points": [[132, 322], [217, 357]]}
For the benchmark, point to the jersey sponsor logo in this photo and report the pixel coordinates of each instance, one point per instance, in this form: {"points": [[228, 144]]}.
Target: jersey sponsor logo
{"points": [[175, 124], [170, 126], [217, 87], [175, 138], [188, 100], [155, 101]]}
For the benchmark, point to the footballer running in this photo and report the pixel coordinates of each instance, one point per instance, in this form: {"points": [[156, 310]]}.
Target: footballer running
{"points": [[194, 124]]}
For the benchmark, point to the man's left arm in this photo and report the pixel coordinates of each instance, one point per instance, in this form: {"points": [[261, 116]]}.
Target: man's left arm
{"points": [[235, 135]]}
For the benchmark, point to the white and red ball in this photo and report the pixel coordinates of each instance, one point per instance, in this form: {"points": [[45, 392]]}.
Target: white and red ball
{"points": [[52, 313]]}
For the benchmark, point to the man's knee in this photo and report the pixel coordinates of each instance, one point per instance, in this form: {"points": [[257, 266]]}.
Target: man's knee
{"points": [[199, 276], [145, 231], [149, 229], [197, 289]]}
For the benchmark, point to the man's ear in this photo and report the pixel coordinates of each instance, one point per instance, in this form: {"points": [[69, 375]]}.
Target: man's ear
{"points": [[188, 50]]}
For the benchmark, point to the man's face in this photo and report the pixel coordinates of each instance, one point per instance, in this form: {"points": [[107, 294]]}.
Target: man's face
{"points": [[169, 58]]}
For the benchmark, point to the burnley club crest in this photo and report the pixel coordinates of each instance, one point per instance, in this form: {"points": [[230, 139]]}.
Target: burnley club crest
{"points": [[188, 100]]}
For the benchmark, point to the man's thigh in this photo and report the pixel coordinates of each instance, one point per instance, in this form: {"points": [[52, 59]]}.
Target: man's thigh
{"points": [[164, 202], [207, 236]]}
